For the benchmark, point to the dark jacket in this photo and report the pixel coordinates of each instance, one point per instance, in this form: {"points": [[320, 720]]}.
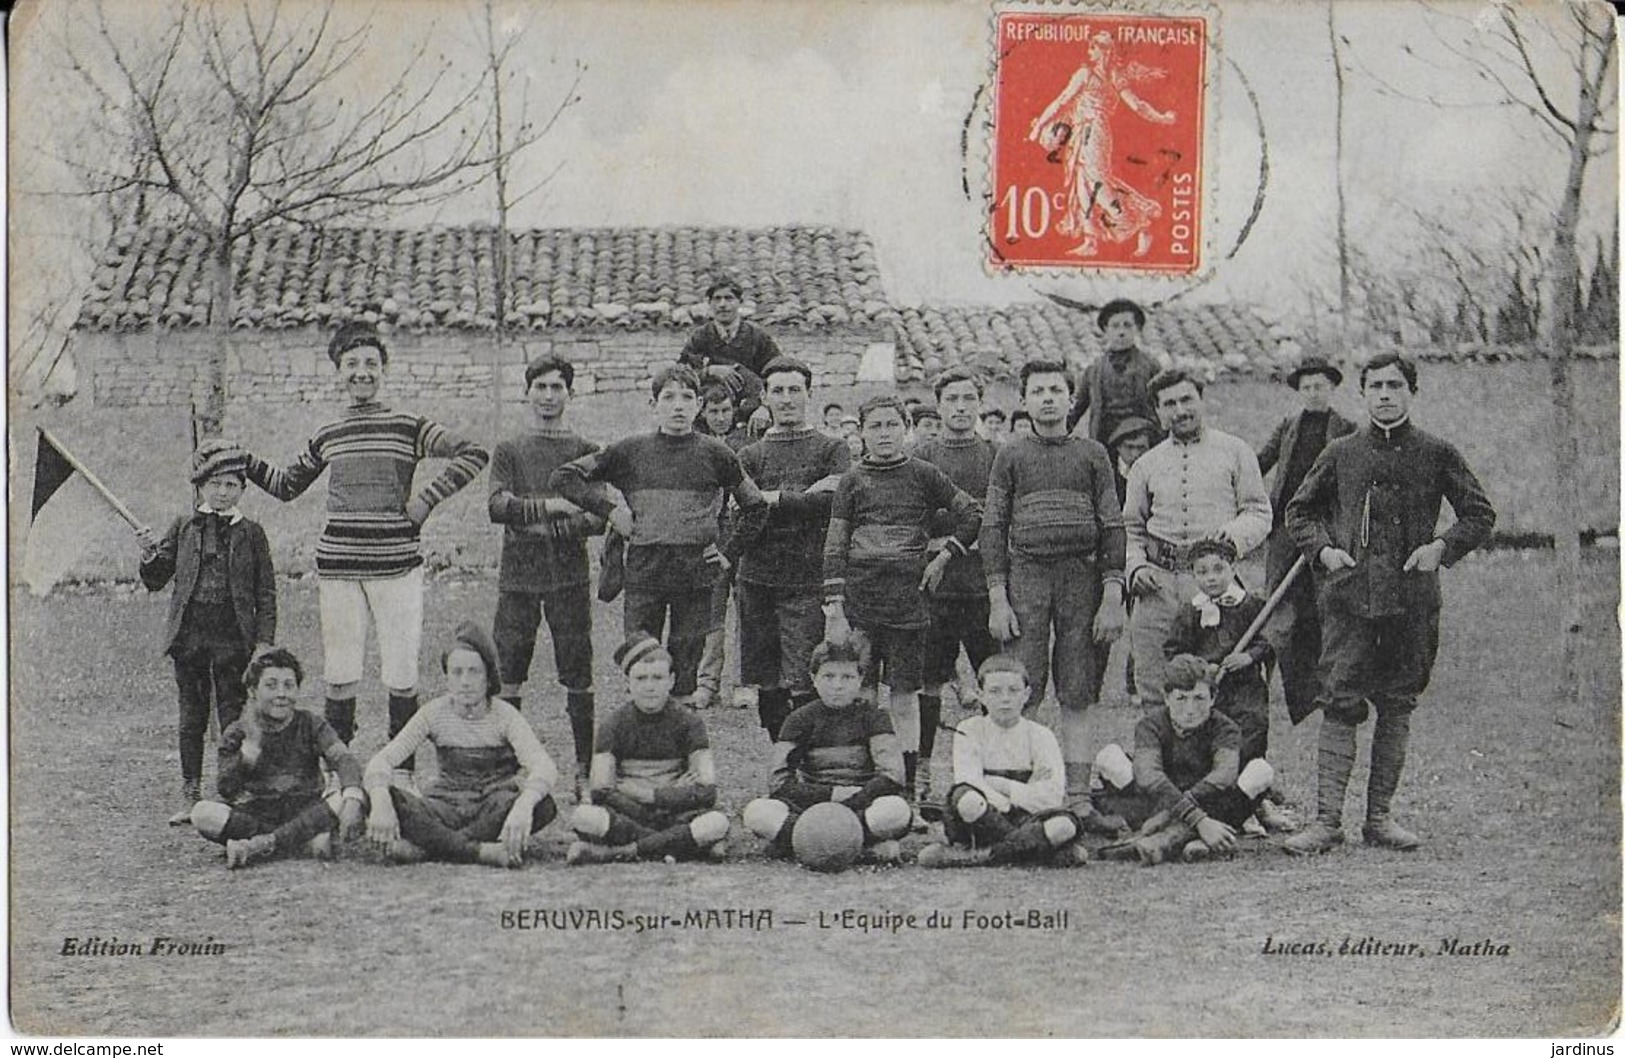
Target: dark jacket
{"points": [[249, 576], [1376, 495], [1278, 452]]}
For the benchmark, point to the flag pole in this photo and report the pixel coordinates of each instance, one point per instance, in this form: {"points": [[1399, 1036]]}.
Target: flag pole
{"points": [[95, 482]]}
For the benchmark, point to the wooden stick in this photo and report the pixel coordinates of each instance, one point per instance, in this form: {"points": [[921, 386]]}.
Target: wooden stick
{"points": [[95, 482], [1271, 603]]}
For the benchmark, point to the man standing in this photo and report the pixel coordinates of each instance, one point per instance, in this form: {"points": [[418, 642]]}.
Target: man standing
{"points": [[959, 605], [1118, 384], [1291, 451], [731, 348], [1367, 513], [780, 577], [1052, 548], [1197, 483]]}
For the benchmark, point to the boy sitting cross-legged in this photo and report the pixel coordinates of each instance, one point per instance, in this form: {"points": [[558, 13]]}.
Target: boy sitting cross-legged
{"points": [[270, 774], [1006, 805], [653, 785], [1184, 787], [838, 747]]}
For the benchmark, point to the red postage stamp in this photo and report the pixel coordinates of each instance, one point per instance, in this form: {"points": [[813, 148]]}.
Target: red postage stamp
{"points": [[1098, 125]]}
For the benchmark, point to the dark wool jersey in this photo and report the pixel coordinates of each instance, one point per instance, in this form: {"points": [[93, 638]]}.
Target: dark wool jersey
{"points": [[532, 560], [373, 453], [967, 464], [1050, 498], [652, 746], [879, 526], [832, 745], [675, 487], [789, 553], [289, 765], [1118, 387], [1187, 636], [1177, 769]]}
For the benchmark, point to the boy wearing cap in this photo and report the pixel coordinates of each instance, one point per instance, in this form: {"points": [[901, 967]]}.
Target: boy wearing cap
{"points": [[223, 607], [543, 568], [368, 562], [494, 785], [271, 760], [1118, 384], [653, 788], [1291, 451]]}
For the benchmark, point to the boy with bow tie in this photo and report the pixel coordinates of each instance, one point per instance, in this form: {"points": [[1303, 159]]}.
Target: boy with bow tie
{"points": [[1209, 625]]}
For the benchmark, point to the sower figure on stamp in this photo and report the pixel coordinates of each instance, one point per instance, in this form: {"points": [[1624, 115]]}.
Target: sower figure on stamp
{"points": [[1199, 482], [1117, 386], [781, 568], [1052, 547], [543, 568], [368, 563], [1291, 450], [1367, 513]]}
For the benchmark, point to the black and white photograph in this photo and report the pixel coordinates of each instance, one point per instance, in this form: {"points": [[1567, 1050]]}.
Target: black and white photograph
{"points": [[877, 518]]}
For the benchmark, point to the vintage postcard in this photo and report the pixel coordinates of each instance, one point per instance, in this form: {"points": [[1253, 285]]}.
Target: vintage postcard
{"points": [[330, 321]]}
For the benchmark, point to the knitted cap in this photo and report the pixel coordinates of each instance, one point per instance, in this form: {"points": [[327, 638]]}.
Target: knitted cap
{"points": [[352, 336], [1214, 545], [218, 457], [470, 636], [638, 646]]}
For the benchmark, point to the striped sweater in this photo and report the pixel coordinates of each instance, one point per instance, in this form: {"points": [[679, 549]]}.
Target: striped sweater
{"points": [[879, 528], [373, 453]]}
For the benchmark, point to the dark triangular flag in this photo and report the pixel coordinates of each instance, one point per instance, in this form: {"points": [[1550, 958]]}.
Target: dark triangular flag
{"points": [[51, 470]]}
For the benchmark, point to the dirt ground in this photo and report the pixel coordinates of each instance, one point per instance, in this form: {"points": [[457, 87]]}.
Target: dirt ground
{"points": [[1519, 800]]}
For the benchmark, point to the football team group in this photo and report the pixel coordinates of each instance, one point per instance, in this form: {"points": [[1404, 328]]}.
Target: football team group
{"points": [[863, 554]]}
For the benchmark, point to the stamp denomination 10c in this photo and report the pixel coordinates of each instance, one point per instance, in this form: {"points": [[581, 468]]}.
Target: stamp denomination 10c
{"points": [[1098, 126]]}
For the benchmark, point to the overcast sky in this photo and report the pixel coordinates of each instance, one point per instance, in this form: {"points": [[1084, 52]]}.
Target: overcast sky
{"points": [[850, 114]]}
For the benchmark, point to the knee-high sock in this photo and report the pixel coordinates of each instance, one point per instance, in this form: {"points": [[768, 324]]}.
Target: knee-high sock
{"points": [[401, 708], [904, 710], [1023, 842], [1332, 768], [675, 841], [578, 705], [930, 719], [340, 713], [911, 768], [1388, 743]]}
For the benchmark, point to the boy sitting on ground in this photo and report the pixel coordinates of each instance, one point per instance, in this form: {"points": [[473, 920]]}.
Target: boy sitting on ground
{"points": [[653, 785], [270, 775], [1181, 788], [1006, 805], [1210, 626], [838, 747]]}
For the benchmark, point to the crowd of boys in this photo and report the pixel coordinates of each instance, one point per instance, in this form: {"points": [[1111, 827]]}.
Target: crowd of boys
{"points": [[863, 557]]}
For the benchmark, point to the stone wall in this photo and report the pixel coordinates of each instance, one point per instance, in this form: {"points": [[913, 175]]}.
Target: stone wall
{"points": [[156, 367]]}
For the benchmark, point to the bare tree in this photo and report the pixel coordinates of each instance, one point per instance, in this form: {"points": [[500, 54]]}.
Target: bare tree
{"points": [[254, 113], [512, 128]]}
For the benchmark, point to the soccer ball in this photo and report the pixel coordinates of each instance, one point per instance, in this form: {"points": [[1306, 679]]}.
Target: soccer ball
{"points": [[827, 837]]}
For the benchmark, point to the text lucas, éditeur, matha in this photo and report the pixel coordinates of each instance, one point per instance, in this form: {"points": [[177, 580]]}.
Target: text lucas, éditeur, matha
{"points": [[1377, 946]]}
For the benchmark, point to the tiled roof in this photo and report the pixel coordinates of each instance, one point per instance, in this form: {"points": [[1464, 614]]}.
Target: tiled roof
{"points": [[442, 278], [997, 341]]}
